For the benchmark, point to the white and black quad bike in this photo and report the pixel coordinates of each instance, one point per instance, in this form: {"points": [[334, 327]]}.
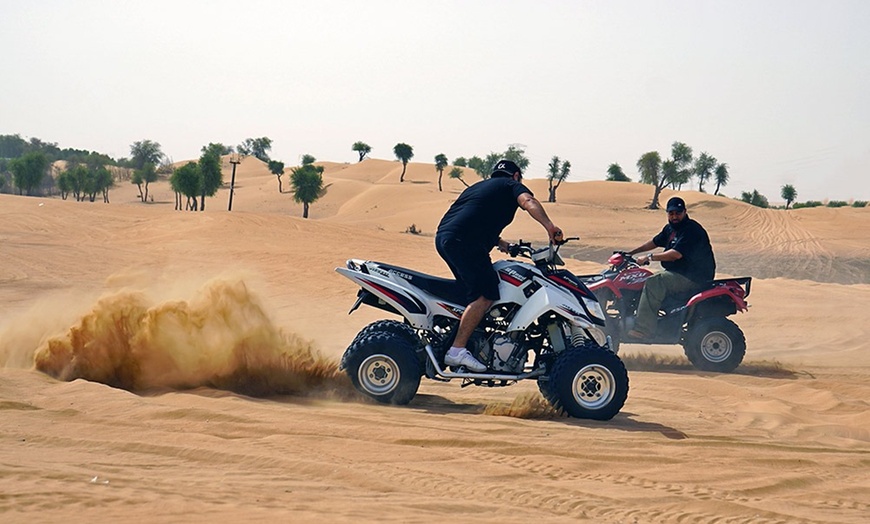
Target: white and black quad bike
{"points": [[546, 326]]}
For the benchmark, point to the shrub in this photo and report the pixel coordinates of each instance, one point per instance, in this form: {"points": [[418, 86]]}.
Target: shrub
{"points": [[808, 203], [837, 203], [859, 203]]}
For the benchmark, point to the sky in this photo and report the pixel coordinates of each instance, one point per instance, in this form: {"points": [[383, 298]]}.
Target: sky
{"points": [[776, 89]]}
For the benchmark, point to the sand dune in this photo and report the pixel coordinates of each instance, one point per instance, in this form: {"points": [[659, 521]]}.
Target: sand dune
{"points": [[227, 328]]}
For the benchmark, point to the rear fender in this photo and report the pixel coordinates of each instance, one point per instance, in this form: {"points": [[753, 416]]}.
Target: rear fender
{"points": [[731, 290], [404, 301]]}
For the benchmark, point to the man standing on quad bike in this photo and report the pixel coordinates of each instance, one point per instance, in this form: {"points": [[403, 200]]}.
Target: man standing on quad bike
{"points": [[688, 261], [468, 232]]}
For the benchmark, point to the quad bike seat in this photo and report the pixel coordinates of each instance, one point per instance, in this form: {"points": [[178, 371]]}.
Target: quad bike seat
{"points": [[446, 288]]}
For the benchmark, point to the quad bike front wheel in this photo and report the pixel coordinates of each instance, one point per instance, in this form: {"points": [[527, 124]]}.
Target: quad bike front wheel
{"points": [[383, 366], [715, 344], [587, 382]]}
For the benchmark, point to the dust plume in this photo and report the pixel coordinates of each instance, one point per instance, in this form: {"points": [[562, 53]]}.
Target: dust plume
{"points": [[222, 337], [526, 405]]}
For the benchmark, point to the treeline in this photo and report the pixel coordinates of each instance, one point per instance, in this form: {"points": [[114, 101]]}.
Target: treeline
{"points": [[789, 194]]}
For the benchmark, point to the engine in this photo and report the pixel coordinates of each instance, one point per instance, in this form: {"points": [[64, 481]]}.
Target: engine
{"points": [[499, 351]]}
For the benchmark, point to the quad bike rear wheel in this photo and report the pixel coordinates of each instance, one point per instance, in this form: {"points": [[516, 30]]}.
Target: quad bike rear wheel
{"points": [[390, 326], [384, 366], [715, 344], [587, 382]]}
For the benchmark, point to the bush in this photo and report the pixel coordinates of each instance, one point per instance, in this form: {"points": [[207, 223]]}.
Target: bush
{"points": [[859, 203], [808, 203], [837, 203]]}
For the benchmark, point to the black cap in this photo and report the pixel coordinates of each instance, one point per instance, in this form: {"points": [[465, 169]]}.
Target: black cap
{"points": [[505, 168], [676, 204]]}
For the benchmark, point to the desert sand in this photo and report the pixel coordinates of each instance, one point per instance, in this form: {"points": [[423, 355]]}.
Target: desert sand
{"points": [[168, 366]]}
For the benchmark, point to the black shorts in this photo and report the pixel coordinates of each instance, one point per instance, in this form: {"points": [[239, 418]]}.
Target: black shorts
{"points": [[471, 265]]}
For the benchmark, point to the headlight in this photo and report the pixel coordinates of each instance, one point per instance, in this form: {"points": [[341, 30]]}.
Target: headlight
{"points": [[594, 308]]}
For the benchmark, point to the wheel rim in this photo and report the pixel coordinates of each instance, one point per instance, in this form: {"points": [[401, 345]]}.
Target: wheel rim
{"points": [[594, 386], [379, 374], [716, 346]]}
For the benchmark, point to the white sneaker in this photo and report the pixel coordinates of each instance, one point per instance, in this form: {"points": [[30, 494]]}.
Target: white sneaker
{"points": [[464, 358]]}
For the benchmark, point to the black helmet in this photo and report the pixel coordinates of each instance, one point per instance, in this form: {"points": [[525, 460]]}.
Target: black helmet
{"points": [[505, 167]]}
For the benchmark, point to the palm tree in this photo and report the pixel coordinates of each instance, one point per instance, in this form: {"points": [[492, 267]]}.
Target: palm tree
{"points": [[721, 176], [440, 163], [307, 184], [789, 194], [615, 174], [403, 152], [703, 169]]}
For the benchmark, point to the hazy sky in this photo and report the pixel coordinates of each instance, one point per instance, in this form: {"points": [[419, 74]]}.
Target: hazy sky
{"points": [[778, 90]]}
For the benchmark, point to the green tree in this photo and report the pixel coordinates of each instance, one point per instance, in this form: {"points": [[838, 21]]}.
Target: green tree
{"points": [[211, 176], [277, 169], [307, 182], [104, 182], [186, 181], [515, 155], [721, 175], [144, 176], [557, 171], [12, 146], [219, 148], [456, 173], [755, 198], [403, 152], [490, 161], [362, 148], [789, 194], [460, 162], [649, 165], [479, 166], [64, 184], [308, 159], [680, 172], [73, 181], [441, 162], [703, 169], [615, 174], [28, 171], [257, 147], [145, 152]]}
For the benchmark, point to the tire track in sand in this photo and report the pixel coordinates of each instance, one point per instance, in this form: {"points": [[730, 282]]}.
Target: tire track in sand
{"points": [[781, 241]]}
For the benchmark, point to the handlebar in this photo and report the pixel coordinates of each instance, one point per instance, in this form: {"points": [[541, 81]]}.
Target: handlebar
{"points": [[525, 248]]}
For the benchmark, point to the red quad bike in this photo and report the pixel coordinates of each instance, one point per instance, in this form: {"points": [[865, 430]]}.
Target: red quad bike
{"points": [[698, 321]]}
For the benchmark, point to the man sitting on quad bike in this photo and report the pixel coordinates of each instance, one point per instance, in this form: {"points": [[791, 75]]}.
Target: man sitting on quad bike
{"points": [[687, 259], [467, 233]]}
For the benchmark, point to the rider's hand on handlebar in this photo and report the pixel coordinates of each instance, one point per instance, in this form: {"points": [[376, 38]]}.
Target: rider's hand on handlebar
{"points": [[556, 236]]}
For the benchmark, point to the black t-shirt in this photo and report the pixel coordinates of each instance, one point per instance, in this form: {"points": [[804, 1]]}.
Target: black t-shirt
{"points": [[690, 239], [483, 210]]}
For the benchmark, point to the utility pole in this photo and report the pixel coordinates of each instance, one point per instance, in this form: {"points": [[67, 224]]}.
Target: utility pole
{"points": [[234, 160]]}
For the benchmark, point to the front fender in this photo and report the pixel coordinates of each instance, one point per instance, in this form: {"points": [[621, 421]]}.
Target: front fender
{"points": [[549, 300]]}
